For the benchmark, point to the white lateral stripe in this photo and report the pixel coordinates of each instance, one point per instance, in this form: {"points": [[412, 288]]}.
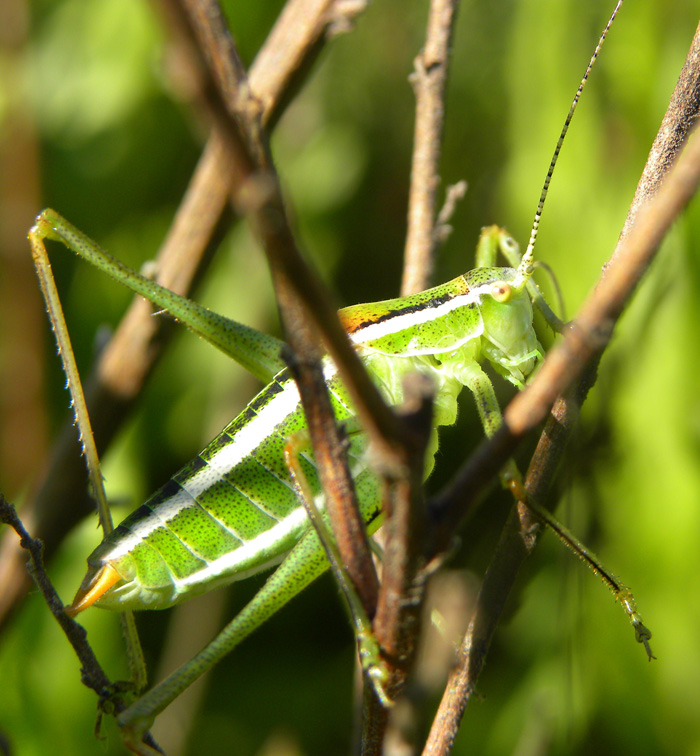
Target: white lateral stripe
{"points": [[251, 435], [202, 480], [402, 322]]}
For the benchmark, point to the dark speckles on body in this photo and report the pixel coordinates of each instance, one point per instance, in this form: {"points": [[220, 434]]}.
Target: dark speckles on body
{"points": [[179, 558], [235, 511], [151, 567], [264, 397], [202, 533]]}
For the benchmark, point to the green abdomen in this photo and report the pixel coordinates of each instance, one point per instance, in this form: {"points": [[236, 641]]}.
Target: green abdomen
{"points": [[229, 513]]}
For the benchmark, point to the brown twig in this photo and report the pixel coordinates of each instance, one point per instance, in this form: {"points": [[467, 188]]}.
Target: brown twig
{"points": [[442, 229], [592, 329], [677, 123], [22, 407], [520, 533], [585, 339], [397, 622], [92, 674], [402, 590], [429, 80], [260, 195], [291, 48]]}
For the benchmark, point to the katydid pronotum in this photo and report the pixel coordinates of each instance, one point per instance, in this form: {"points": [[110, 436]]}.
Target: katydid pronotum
{"points": [[238, 493]]}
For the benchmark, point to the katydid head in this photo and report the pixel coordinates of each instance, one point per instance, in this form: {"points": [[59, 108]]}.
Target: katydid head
{"points": [[495, 241], [508, 339]]}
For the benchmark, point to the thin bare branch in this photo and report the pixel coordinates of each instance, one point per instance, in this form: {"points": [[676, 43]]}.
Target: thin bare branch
{"points": [[400, 447], [678, 122], [291, 48], [454, 193], [592, 329], [397, 622], [92, 674], [260, 195], [429, 80]]}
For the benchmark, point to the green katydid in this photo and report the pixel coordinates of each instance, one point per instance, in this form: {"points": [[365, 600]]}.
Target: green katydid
{"points": [[232, 511]]}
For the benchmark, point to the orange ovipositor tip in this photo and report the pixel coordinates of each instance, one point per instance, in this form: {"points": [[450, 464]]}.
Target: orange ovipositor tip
{"points": [[105, 578]]}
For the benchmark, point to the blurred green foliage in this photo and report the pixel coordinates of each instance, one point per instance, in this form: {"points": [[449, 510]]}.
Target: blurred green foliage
{"points": [[117, 149]]}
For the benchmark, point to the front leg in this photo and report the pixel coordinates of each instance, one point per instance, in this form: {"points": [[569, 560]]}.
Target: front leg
{"points": [[471, 375], [476, 380]]}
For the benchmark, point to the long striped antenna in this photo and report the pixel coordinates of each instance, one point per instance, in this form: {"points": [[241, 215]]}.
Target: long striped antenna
{"points": [[527, 263]]}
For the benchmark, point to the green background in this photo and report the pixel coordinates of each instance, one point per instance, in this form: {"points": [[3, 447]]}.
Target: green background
{"points": [[116, 147]]}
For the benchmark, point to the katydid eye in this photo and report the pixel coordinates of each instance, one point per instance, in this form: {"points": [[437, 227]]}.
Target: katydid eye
{"points": [[501, 291]]}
